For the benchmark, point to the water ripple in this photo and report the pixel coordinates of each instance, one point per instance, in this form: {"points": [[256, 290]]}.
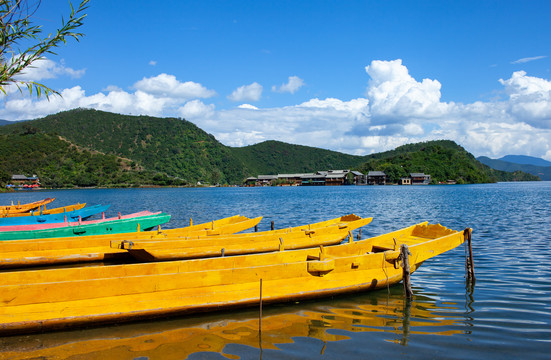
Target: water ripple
{"points": [[506, 315]]}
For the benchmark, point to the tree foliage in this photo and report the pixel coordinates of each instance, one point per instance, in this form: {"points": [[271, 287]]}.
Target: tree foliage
{"points": [[442, 159], [96, 148], [272, 157], [59, 163], [16, 26]]}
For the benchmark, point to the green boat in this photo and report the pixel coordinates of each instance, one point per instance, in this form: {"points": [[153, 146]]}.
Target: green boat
{"points": [[123, 225]]}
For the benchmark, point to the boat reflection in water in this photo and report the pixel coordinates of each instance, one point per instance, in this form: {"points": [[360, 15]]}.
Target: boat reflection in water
{"points": [[327, 320]]}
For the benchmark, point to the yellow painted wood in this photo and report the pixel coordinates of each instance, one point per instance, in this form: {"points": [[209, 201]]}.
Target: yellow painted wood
{"points": [[22, 208], [41, 211], [237, 244], [54, 298], [19, 253]]}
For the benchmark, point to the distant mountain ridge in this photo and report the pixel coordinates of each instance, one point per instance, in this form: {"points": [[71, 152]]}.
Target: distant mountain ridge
{"points": [[84, 147], [525, 160], [543, 172]]}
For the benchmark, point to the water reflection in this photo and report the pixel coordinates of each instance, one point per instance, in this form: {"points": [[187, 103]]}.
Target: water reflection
{"points": [[326, 321]]}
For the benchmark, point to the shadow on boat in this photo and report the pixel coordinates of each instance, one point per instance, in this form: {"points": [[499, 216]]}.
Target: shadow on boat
{"points": [[327, 320]]}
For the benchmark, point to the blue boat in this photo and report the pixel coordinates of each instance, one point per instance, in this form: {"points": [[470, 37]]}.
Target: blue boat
{"points": [[69, 216]]}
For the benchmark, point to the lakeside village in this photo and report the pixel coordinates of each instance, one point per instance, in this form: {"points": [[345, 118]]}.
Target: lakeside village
{"points": [[320, 178], [23, 182], [335, 178]]}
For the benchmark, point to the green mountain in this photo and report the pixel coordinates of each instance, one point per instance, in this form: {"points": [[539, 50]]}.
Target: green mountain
{"points": [[97, 148], [59, 163], [443, 159], [273, 157], [543, 172], [168, 146]]}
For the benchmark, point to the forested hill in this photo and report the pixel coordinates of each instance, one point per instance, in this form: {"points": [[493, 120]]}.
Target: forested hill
{"points": [[97, 148], [273, 157], [167, 146], [442, 159]]}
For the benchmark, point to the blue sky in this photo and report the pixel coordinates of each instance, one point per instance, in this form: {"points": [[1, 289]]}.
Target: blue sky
{"points": [[352, 76]]}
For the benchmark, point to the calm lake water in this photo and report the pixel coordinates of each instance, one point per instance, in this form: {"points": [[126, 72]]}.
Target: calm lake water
{"points": [[506, 315]]}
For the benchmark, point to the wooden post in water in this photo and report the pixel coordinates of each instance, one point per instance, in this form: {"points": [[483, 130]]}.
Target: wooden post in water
{"points": [[404, 254], [256, 228], [469, 264], [272, 225], [260, 312], [359, 234]]}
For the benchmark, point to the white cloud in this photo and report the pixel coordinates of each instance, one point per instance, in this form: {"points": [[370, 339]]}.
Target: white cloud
{"points": [[48, 69], [168, 86], [247, 106], [397, 109], [152, 62], [529, 99], [396, 96], [291, 86], [528, 59], [196, 108], [251, 92]]}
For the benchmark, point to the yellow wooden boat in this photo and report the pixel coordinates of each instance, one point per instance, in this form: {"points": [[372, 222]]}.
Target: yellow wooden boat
{"points": [[22, 208], [59, 298], [41, 210], [75, 249], [328, 233]]}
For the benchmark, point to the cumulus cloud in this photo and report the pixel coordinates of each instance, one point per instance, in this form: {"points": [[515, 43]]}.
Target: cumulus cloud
{"points": [[251, 92], [396, 96], [291, 86], [247, 106], [168, 86], [397, 109], [196, 109], [48, 69], [529, 99]]}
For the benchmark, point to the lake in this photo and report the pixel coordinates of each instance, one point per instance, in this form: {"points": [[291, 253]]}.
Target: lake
{"points": [[507, 313]]}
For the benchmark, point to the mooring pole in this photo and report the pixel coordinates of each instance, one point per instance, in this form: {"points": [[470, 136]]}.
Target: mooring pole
{"points": [[469, 264], [404, 253], [359, 234], [256, 228], [272, 225], [260, 312]]}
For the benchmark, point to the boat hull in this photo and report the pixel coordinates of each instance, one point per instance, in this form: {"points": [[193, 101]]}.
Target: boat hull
{"points": [[73, 215], [76, 249], [81, 296], [23, 208], [43, 211], [106, 227]]}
